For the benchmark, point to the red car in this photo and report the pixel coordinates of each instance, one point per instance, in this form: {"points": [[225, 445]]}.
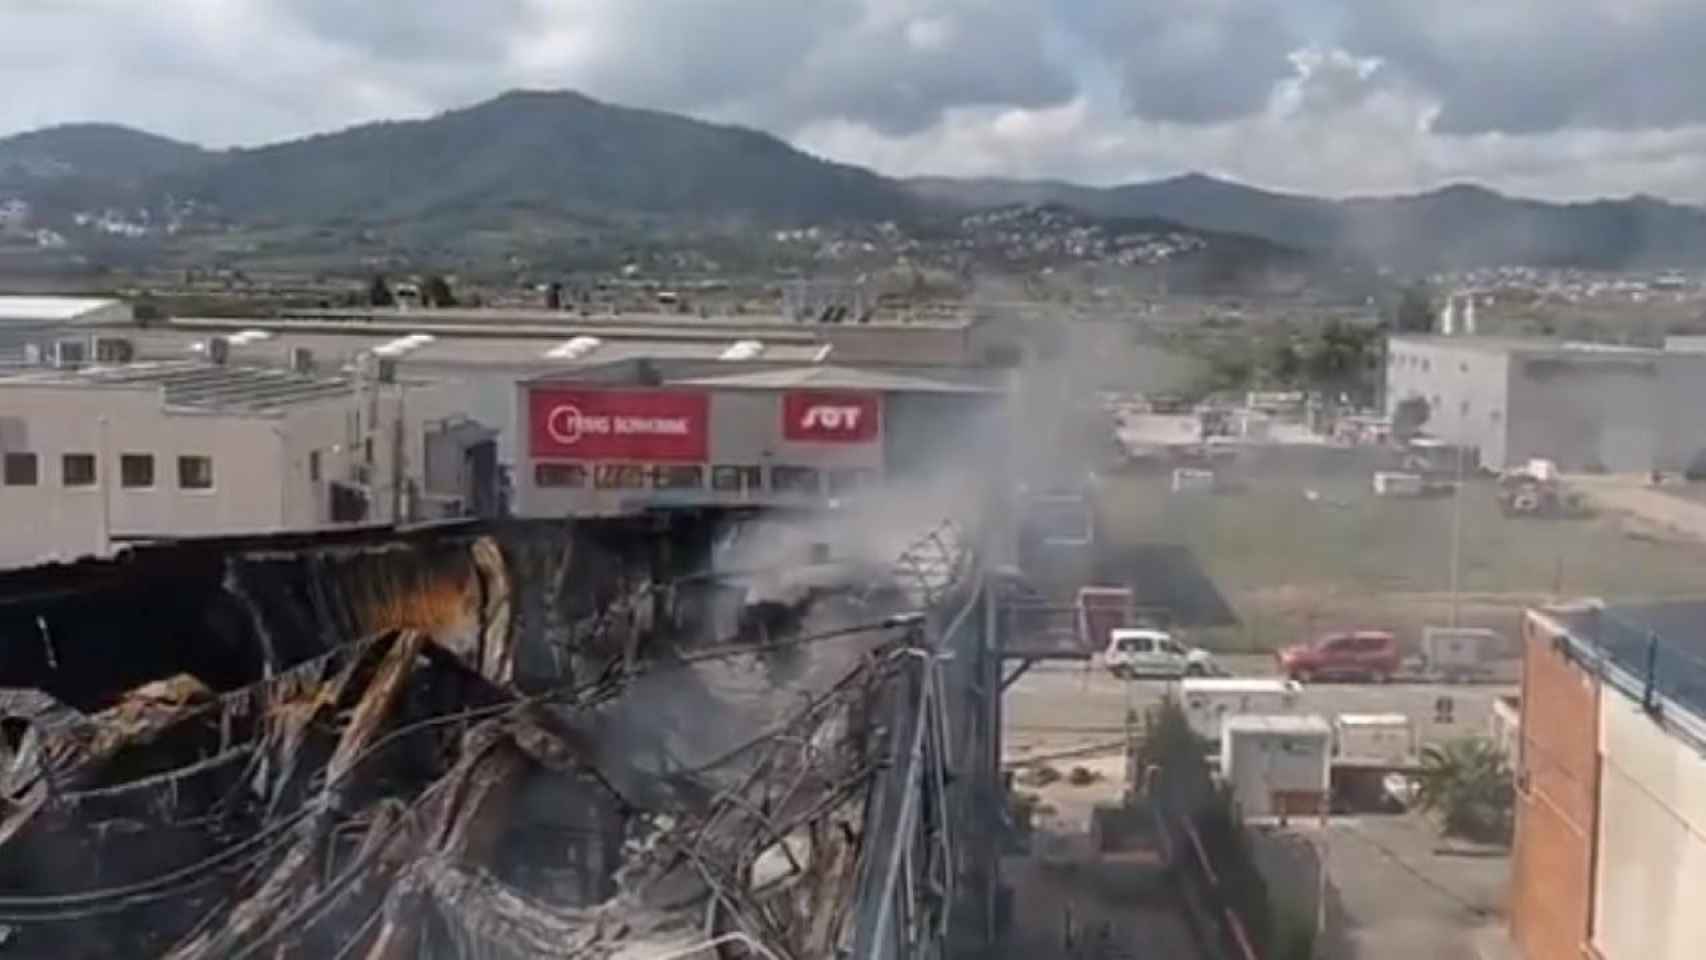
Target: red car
{"points": [[1359, 654]]}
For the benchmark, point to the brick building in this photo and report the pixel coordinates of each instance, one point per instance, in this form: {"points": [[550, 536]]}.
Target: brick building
{"points": [[1611, 784]]}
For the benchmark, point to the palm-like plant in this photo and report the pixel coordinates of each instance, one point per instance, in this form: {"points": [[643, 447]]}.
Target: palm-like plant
{"points": [[1468, 782]]}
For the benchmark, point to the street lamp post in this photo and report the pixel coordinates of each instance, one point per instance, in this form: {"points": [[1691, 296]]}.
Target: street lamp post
{"points": [[1456, 531]]}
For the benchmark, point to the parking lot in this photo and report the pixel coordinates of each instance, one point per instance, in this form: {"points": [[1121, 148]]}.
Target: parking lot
{"points": [[1061, 706], [1395, 890]]}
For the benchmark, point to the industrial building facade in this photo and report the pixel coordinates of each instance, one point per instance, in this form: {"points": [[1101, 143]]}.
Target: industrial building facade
{"points": [[93, 456], [1587, 407], [1611, 785], [633, 435]]}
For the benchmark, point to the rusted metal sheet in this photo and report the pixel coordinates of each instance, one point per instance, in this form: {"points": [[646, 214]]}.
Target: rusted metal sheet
{"points": [[434, 746]]}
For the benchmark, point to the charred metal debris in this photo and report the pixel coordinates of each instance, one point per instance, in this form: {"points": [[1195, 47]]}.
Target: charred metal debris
{"points": [[468, 742]]}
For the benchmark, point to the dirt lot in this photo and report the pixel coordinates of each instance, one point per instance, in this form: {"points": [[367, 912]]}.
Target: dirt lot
{"points": [[1070, 901], [1394, 891], [1294, 554]]}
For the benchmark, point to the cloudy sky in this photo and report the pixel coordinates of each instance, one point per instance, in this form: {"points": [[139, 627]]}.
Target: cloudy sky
{"points": [[1556, 98]]}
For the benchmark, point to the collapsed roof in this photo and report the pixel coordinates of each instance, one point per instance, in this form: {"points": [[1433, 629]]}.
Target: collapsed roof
{"points": [[458, 743]]}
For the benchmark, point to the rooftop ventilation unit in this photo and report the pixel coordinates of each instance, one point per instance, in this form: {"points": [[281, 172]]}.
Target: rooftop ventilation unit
{"points": [[404, 345], [574, 349], [744, 350]]}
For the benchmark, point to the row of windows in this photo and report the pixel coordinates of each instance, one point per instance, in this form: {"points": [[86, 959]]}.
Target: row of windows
{"points": [[1405, 360], [724, 477], [135, 471]]}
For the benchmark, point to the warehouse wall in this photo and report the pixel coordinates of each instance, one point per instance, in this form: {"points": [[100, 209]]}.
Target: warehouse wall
{"points": [[1466, 388], [1557, 797], [1652, 839], [1581, 411], [56, 520]]}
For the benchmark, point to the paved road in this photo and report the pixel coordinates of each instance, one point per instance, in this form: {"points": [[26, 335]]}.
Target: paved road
{"points": [[1055, 705]]}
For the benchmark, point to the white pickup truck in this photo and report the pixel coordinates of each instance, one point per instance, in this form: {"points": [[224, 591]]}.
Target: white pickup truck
{"points": [[1141, 652]]}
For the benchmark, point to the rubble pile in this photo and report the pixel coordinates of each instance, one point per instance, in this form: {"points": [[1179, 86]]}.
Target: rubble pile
{"points": [[399, 794]]}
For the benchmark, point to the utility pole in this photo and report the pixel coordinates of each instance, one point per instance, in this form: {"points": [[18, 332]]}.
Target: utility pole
{"points": [[103, 477], [1456, 531]]}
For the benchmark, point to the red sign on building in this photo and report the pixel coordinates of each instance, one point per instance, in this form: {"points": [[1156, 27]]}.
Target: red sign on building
{"points": [[831, 416], [651, 426]]}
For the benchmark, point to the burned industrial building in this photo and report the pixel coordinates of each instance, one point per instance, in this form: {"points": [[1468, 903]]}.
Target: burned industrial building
{"points": [[523, 739]]}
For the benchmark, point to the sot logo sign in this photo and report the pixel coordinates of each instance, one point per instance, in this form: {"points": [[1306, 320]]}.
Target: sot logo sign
{"points": [[831, 416]]}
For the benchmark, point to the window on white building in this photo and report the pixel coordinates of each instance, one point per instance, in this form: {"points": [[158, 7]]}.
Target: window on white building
{"points": [[195, 473], [77, 469], [21, 470], [732, 477], [314, 466], [559, 475], [136, 470], [794, 480], [619, 476], [845, 481], [678, 477]]}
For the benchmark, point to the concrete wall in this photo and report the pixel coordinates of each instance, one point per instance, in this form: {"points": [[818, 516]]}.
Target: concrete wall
{"points": [[1557, 799], [1587, 411], [1626, 411], [261, 468], [50, 519], [1652, 839], [1682, 428], [1466, 387], [339, 428]]}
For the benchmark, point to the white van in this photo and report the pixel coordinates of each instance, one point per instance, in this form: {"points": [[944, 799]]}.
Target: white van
{"points": [[1208, 700], [1138, 652]]}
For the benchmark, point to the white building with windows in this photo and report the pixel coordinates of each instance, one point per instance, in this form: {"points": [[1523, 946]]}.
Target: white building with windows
{"points": [[93, 456], [1585, 406]]}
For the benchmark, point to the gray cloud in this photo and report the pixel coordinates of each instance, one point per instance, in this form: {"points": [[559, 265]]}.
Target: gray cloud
{"points": [[1199, 62], [1532, 66], [431, 30], [1560, 96]]}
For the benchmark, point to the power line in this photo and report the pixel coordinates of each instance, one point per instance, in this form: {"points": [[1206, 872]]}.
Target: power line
{"points": [[83, 904]]}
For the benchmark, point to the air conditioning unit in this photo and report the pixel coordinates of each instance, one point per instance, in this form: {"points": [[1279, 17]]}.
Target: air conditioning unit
{"points": [[70, 353], [218, 350], [386, 371], [301, 360], [114, 350]]}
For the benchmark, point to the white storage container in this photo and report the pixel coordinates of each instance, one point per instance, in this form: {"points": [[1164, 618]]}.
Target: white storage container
{"points": [[1388, 484], [1209, 700], [1374, 739], [1277, 764], [1188, 480]]}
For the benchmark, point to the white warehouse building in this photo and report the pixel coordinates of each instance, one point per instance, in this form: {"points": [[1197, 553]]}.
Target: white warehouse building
{"points": [[93, 456]]}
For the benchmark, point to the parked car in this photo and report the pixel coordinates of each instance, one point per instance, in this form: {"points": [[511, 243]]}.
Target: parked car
{"points": [[1153, 653], [1358, 654]]}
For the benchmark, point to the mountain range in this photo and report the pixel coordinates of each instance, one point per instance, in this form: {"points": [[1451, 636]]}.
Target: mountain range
{"points": [[527, 157]]}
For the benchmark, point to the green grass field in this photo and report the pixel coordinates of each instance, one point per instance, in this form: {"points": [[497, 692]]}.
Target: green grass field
{"points": [[1290, 566]]}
